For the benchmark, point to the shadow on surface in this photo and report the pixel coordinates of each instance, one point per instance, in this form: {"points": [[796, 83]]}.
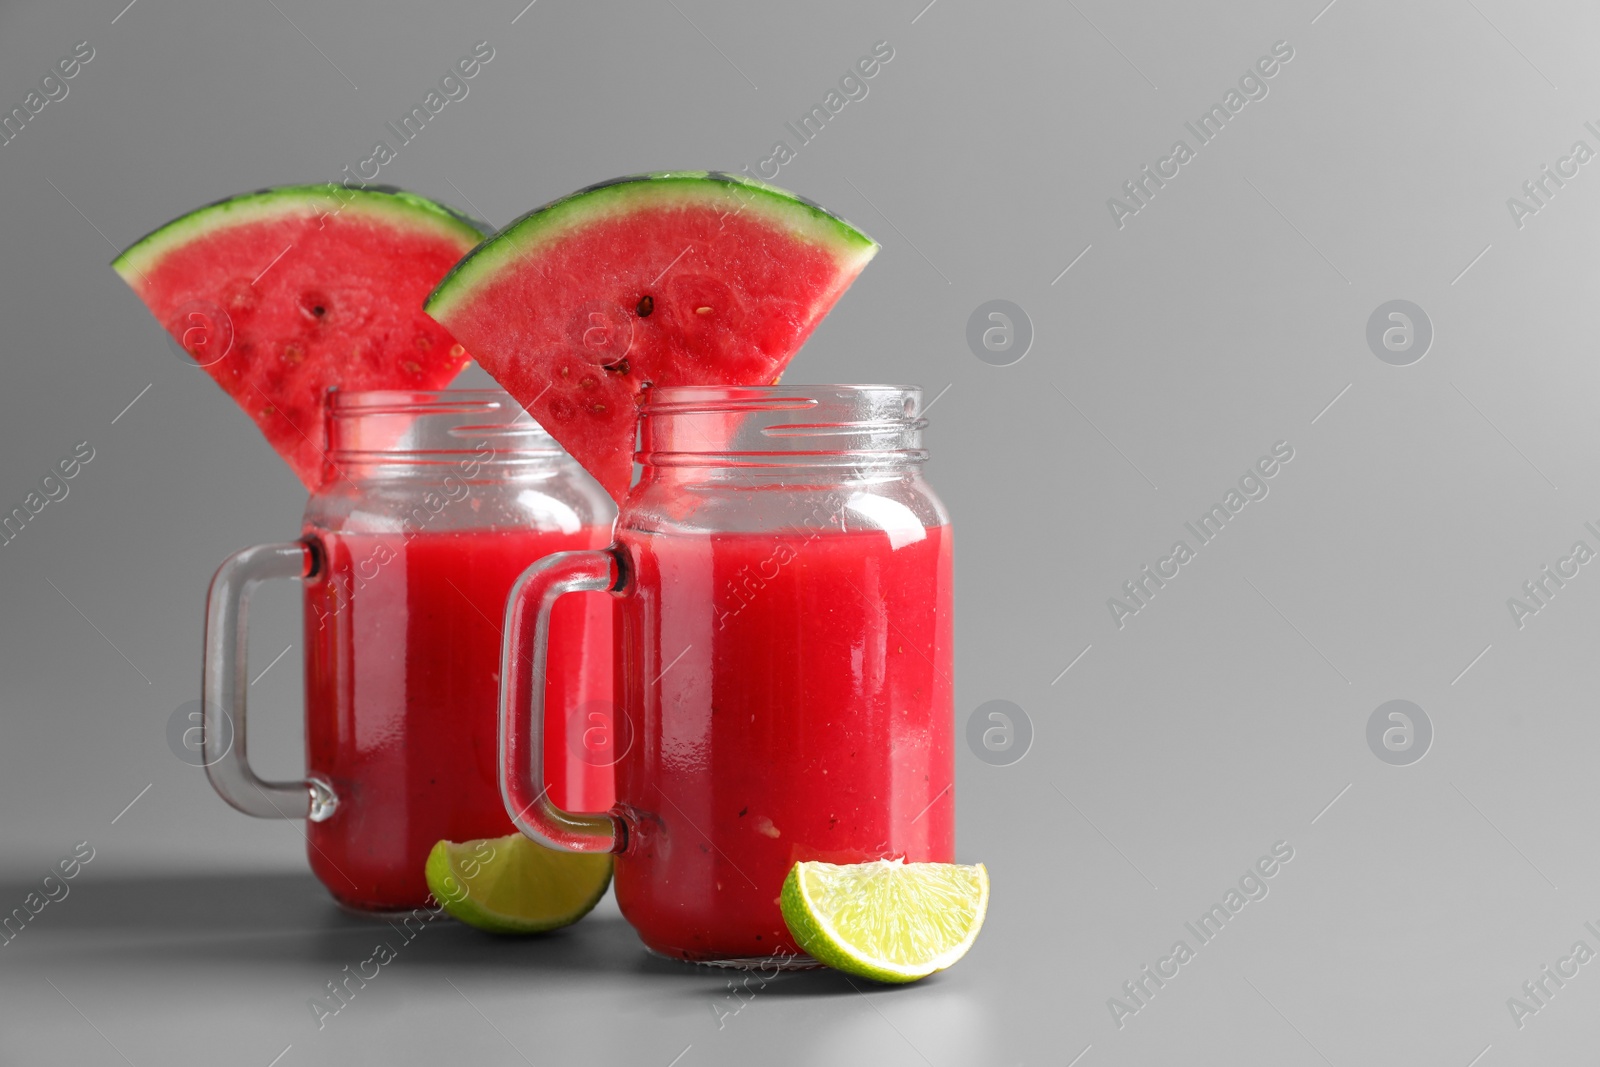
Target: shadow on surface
{"points": [[819, 982], [749, 984], [234, 903], [282, 918]]}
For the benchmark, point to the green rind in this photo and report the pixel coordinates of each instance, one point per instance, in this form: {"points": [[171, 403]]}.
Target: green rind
{"points": [[816, 943], [805, 218], [383, 201], [439, 868]]}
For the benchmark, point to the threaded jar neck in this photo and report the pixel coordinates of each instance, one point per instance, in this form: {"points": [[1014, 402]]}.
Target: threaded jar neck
{"points": [[875, 427], [393, 433]]}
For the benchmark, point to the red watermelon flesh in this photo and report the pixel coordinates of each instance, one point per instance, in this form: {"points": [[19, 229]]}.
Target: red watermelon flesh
{"points": [[694, 278], [285, 294]]}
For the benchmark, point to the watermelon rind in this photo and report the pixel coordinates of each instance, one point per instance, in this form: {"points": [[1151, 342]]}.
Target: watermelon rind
{"points": [[386, 203], [803, 218]]}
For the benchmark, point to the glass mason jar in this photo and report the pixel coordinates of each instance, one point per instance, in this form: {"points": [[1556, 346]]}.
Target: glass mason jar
{"points": [[432, 504], [784, 669]]}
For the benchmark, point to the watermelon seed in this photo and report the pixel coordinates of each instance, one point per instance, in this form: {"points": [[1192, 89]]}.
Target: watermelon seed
{"points": [[313, 305], [647, 304], [702, 311], [293, 354], [617, 368]]}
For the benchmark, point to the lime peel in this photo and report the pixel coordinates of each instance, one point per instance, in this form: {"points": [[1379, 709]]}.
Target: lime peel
{"points": [[511, 885], [888, 920]]}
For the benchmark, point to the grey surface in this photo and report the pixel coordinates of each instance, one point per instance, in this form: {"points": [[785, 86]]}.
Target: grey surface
{"points": [[1223, 317]]}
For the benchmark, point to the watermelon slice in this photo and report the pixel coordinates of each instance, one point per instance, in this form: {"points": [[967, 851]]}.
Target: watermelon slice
{"points": [[283, 294], [681, 278]]}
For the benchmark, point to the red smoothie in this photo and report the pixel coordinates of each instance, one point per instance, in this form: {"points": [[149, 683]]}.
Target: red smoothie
{"points": [[792, 701], [402, 684]]}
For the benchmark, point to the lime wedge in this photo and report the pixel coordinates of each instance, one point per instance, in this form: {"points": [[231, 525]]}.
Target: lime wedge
{"points": [[890, 921], [511, 885]]}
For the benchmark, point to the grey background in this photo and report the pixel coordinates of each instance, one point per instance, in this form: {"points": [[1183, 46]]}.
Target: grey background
{"points": [[1222, 318]]}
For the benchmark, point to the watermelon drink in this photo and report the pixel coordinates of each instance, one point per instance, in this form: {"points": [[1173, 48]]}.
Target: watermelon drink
{"points": [[782, 572], [424, 506], [807, 717], [430, 505], [783, 580], [436, 503], [402, 677]]}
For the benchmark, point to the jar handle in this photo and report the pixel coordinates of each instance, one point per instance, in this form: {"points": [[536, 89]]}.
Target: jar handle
{"points": [[225, 686], [524, 653]]}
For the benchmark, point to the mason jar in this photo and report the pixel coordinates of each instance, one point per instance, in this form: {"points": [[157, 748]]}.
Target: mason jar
{"points": [[432, 504], [782, 573]]}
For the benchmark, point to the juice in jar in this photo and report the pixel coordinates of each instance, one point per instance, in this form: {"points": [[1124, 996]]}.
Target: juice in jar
{"points": [[402, 683], [792, 701]]}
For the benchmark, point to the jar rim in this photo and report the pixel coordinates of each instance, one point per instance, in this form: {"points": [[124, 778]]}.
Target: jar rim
{"points": [[686, 399], [426, 402]]}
